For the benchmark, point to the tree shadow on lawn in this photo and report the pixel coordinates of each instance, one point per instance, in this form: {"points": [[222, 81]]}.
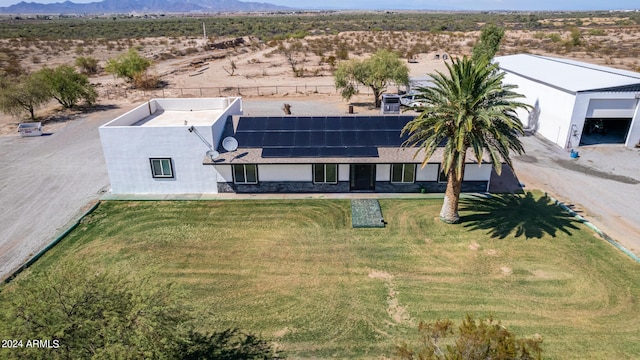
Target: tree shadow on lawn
{"points": [[523, 215]]}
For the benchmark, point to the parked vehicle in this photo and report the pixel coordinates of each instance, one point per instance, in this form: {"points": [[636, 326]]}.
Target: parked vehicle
{"points": [[412, 100]]}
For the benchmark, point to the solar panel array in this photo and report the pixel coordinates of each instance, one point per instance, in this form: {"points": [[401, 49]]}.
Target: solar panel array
{"points": [[346, 136]]}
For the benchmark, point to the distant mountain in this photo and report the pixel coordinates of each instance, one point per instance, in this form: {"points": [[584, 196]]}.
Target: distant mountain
{"points": [[139, 6]]}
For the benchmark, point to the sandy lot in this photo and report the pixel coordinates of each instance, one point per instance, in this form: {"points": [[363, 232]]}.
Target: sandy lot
{"points": [[48, 181]]}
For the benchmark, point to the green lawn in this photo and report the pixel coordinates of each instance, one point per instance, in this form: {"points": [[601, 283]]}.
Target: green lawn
{"points": [[297, 273]]}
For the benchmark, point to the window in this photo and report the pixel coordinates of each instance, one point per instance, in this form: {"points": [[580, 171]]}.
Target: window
{"points": [[245, 174], [403, 173], [325, 173], [442, 177], [161, 168]]}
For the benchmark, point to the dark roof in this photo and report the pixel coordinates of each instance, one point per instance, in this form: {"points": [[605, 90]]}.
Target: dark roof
{"points": [[623, 88], [320, 137]]}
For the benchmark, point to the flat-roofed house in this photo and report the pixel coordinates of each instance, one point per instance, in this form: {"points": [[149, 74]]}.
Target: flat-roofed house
{"points": [[200, 146]]}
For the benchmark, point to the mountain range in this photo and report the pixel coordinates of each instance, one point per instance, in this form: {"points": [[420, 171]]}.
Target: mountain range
{"points": [[139, 6]]}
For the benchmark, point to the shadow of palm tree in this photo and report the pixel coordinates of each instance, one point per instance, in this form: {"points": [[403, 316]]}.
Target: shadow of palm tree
{"points": [[520, 215]]}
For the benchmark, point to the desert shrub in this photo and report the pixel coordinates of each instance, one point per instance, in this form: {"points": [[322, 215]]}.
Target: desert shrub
{"points": [[87, 65]]}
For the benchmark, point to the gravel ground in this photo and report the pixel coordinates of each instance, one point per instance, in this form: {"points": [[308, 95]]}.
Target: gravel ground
{"points": [[603, 184], [48, 181]]}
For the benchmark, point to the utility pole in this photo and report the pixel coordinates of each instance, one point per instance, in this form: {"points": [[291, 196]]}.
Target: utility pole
{"points": [[204, 31]]}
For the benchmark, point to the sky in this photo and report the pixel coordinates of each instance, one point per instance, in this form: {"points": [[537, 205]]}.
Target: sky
{"points": [[433, 4]]}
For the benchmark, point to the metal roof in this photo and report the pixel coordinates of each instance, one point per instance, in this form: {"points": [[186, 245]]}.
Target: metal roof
{"points": [[568, 75]]}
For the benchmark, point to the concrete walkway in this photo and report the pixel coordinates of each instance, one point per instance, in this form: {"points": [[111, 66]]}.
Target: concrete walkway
{"points": [[233, 196]]}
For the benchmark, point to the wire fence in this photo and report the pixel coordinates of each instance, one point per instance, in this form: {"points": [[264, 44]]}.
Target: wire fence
{"points": [[220, 91]]}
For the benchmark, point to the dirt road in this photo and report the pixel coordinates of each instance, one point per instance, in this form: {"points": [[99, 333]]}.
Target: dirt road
{"points": [[603, 184], [45, 183]]}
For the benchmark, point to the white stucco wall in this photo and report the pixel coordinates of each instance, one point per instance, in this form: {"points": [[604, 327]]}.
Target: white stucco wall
{"points": [[383, 172], [285, 172], [475, 172], [224, 173], [553, 106], [427, 173], [127, 152], [343, 172], [127, 149]]}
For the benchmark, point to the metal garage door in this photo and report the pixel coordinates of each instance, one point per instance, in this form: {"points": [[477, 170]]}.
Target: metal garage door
{"points": [[611, 108]]}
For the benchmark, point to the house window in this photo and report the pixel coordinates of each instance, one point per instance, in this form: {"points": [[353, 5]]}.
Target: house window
{"points": [[245, 174], [403, 173], [161, 168], [325, 173], [443, 177]]}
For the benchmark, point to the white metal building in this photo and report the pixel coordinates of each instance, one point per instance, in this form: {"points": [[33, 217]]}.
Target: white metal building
{"points": [[576, 103]]}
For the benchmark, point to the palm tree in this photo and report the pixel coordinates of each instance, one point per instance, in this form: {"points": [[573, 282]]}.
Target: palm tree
{"points": [[470, 112]]}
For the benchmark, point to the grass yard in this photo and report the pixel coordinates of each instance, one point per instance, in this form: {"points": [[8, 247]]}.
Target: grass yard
{"points": [[297, 273]]}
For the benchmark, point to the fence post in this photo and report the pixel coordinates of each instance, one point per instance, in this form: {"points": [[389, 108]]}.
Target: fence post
{"points": [[181, 93]]}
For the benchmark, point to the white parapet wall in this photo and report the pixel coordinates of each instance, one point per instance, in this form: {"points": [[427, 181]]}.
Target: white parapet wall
{"points": [[156, 130]]}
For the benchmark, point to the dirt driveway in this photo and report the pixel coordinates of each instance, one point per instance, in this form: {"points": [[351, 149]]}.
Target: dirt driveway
{"points": [[47, 181], [603, 184]]}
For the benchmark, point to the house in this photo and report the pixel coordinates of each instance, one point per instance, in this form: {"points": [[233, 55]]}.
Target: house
{"points": [[187, 146], [150, 150], [576, 103]]}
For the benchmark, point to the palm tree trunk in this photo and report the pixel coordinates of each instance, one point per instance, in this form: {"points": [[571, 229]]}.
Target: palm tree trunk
{"points": [[449, 212]]}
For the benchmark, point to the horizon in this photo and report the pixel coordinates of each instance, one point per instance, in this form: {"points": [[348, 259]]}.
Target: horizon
{"points": [[452, 5]]}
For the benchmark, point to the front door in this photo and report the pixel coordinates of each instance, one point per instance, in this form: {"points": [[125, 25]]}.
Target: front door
{"points": [[362, 177]]}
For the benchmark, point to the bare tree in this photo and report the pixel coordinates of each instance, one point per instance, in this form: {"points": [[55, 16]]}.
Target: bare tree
{"points": [[232, 67]]}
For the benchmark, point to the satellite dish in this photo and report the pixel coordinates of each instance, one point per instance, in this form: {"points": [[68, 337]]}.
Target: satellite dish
{"points": [[230, 143], [213, 154]]}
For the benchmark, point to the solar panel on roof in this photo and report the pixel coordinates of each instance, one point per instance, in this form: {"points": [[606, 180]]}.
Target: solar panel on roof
{"points": [[274, 123], [317, 139], [347, 123], [334, 139], [276, 152], [363, 152], [289, 123], [302, 138], [332, 123], [304, 123], [286, 138], [349, 136], [318, 124], [250, 139], [270, 139], [364, 138]]}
